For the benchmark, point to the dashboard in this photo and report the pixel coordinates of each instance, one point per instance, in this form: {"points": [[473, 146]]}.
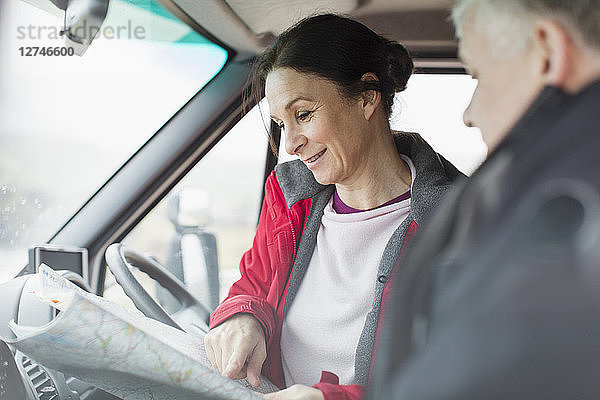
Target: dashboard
{"points": [[20, 376]]}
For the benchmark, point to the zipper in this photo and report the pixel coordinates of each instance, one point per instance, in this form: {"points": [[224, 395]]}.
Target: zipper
{"points": [[293, 261], [293, 236]]}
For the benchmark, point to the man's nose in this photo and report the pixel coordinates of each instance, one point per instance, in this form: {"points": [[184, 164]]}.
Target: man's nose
{"points": [[467, 116]]}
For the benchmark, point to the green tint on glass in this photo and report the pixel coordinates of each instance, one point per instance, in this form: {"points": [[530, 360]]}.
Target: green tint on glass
{"points": [[151, 17]]}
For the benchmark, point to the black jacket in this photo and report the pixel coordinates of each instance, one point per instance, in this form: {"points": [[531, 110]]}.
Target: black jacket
{"points": [[499, 296]]}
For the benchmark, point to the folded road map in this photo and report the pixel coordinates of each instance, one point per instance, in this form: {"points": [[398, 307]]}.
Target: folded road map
{"points": [[120, 351]]}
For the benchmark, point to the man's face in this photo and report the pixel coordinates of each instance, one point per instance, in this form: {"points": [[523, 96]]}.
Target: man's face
{"points": [[507, 83]]}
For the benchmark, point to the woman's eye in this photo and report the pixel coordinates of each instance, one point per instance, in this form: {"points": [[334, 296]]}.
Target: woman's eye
{"points": [[303, 115]]}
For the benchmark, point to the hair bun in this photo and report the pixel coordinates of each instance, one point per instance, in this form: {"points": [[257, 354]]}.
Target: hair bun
{"points": [[400, 65]]}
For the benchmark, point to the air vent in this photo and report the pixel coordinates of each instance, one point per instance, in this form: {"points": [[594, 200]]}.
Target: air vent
{"points": [[40, 381]]}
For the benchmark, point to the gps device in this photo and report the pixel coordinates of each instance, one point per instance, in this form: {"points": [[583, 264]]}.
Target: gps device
{"points": [[60, 258]]}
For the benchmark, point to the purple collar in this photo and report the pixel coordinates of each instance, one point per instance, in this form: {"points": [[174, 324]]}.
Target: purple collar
{"points": [[341, 208]]}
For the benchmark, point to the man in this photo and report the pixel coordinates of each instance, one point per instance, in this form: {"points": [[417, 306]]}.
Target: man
{"points": [[499, 297]]}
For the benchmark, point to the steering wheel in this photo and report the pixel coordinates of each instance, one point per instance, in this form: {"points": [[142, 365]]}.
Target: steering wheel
{"points": [[121, 259]]}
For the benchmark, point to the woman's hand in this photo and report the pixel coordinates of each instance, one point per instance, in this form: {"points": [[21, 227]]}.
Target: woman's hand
{"points": [[296, 392], [237, 348]]}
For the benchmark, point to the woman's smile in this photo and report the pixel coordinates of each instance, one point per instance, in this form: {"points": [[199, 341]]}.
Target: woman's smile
{"points": [[310, 162]]}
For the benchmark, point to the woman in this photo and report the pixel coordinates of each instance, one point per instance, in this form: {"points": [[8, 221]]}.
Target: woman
{"points": [[332, 223]]}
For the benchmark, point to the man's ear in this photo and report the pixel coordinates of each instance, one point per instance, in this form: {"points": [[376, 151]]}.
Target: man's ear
{"points": [[369, 99], [557, 48]]}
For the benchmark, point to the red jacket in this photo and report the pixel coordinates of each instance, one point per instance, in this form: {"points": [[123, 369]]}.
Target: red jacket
{"points": [[266, 268]]}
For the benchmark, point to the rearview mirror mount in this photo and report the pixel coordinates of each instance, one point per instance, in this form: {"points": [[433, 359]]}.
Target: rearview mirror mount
{"points": [[83, 19]]}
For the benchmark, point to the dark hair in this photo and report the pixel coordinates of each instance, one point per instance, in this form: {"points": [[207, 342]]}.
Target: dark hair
{"points": [[338, 49]]}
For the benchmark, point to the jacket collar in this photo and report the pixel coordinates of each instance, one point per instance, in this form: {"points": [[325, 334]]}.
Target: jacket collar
{"points": [[434, 175], [550, 106]]}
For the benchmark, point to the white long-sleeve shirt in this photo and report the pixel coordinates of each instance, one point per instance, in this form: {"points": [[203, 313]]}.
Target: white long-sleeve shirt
{"points": [[324, 323]]}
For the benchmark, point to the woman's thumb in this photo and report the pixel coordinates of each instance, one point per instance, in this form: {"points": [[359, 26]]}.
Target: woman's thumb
{"points": [[255, 365]]}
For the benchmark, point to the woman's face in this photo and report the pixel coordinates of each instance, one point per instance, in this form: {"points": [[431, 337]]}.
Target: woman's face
{"points": [[327, 131]]}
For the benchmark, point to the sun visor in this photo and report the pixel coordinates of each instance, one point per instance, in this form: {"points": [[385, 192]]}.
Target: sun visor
{"points": [[249, 26]]}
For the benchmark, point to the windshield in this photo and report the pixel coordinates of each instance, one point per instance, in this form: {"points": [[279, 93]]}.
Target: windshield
{"points": [[67, 123]]}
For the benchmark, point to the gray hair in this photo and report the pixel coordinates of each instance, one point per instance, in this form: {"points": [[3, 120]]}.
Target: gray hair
{"points": [[508, 22]]}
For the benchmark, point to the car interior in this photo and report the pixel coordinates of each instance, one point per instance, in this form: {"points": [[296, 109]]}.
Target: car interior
{"points": [[169, 211]]}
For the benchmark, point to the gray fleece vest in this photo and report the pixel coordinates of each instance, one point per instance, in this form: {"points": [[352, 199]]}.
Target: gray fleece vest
{"points": [[434, 177]]}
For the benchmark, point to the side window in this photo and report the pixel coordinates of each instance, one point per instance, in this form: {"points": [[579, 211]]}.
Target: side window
{"points": [[433, 105], [200, 230]]}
